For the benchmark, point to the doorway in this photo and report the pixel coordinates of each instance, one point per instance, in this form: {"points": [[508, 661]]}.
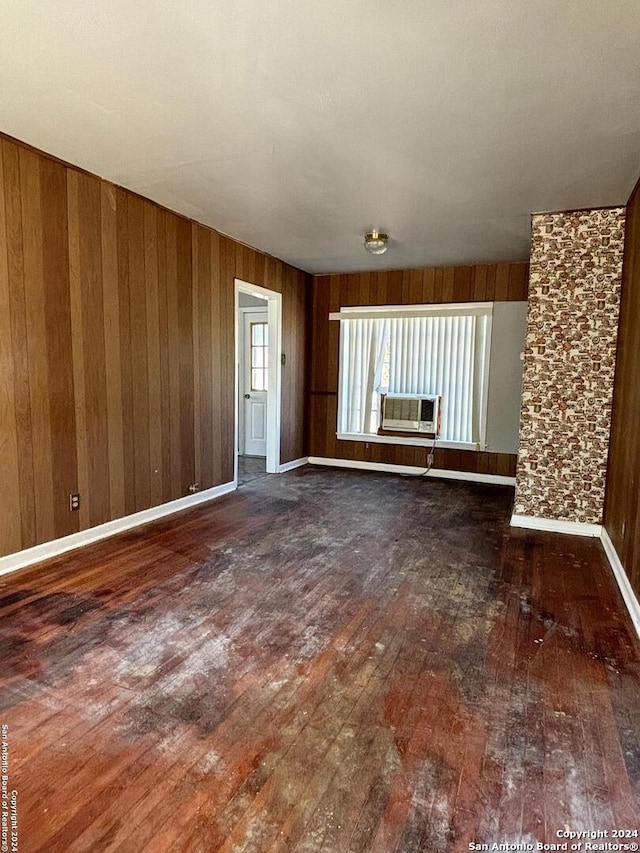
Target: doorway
{"points": [[258, 381]]}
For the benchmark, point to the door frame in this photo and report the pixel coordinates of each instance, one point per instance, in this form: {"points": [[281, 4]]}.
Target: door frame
{"points": [[274, 392]]}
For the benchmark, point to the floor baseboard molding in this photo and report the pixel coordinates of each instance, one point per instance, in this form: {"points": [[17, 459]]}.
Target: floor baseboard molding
{"points": [[552, 525], [21, 559], [438, 473], [296, 463], [626, 590]]}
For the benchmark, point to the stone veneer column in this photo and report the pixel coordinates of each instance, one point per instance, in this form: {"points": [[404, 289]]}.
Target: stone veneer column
{"points": [[569, 363]]}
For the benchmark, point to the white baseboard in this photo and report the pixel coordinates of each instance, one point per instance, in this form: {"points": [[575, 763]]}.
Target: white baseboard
{"points": [[413, 469], [472, 477], [629, 596], [296, 463], [575, 528], [13, 562]]}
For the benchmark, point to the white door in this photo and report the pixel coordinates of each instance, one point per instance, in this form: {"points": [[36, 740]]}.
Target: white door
{"points": [[256, 382]]}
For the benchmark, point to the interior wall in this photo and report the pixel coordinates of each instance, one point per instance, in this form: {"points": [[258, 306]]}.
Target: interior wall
{"points": [[572, 325], [501, 282], [248, 300], [622, 502], [116, 350], [509, 327]]}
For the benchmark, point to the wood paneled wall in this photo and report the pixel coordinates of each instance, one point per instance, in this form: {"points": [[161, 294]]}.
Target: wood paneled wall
{"points": [[483, 282], [116, 350], [622, 500]]}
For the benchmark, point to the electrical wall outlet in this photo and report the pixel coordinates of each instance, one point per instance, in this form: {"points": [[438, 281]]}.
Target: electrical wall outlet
{"points": [[430, 460], [74, 502]]}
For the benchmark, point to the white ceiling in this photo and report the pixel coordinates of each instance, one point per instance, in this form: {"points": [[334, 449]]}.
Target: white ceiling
{"points": [[295, 126]]}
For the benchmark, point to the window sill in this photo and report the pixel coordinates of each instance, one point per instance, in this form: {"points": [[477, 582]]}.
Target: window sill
{"points": [[410, 440]]}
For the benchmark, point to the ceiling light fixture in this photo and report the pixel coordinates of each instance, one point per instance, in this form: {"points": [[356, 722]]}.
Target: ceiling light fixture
{"points": [[376, 243]]}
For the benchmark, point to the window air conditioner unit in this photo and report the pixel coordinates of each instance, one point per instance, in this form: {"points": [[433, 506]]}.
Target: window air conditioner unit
{"points": [[411, 413]]}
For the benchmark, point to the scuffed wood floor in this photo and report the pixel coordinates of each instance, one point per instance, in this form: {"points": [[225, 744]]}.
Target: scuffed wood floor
{"points": [[325, 660]]}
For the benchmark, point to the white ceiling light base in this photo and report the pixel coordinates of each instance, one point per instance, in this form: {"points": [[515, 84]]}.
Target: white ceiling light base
{"points": [[376, 243]]}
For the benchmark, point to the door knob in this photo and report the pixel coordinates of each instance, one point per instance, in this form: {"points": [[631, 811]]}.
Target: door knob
{"points": [[246, 396]]}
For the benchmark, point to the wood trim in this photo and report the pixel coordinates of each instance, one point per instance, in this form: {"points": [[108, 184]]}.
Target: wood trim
{"points": [[295, 463], [622, 501], [574, 528]]}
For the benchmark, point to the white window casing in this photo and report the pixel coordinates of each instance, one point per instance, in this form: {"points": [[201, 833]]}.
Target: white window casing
{"points": [[422, 349]]}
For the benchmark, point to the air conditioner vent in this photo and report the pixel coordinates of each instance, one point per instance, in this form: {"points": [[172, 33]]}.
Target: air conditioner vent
{"points": [[411, 413], [399, 409]]}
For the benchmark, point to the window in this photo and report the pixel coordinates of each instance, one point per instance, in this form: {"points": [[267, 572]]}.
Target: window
{"points": [[432, 350], [259, 356]]}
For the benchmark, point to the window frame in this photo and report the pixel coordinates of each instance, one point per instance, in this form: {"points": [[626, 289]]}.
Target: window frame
{"points": [[361, 312], [264, 369]]}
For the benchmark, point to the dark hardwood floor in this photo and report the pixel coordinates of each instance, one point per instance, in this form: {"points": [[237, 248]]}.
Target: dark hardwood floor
{"points": [[324, 660]]}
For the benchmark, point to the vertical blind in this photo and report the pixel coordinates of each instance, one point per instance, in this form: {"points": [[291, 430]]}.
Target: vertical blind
{"points": [[438, 355], [357, 365]]}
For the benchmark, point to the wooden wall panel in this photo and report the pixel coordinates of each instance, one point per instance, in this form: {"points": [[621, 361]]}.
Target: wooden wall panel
{"points": [[88, 338], [117, 349], [164, 358], [622, 501], [18, 316], [483, 282], [138, 349], [227, 265], [11, 528], [36, 343], [206, 329], [151, 265], [185, 348], [112, 353], [174, 474], [124, 335], [55, 280], [217, 416]]}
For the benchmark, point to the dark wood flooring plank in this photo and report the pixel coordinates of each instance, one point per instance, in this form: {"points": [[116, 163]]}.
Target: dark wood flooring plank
{"points": [[325, 660]]}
